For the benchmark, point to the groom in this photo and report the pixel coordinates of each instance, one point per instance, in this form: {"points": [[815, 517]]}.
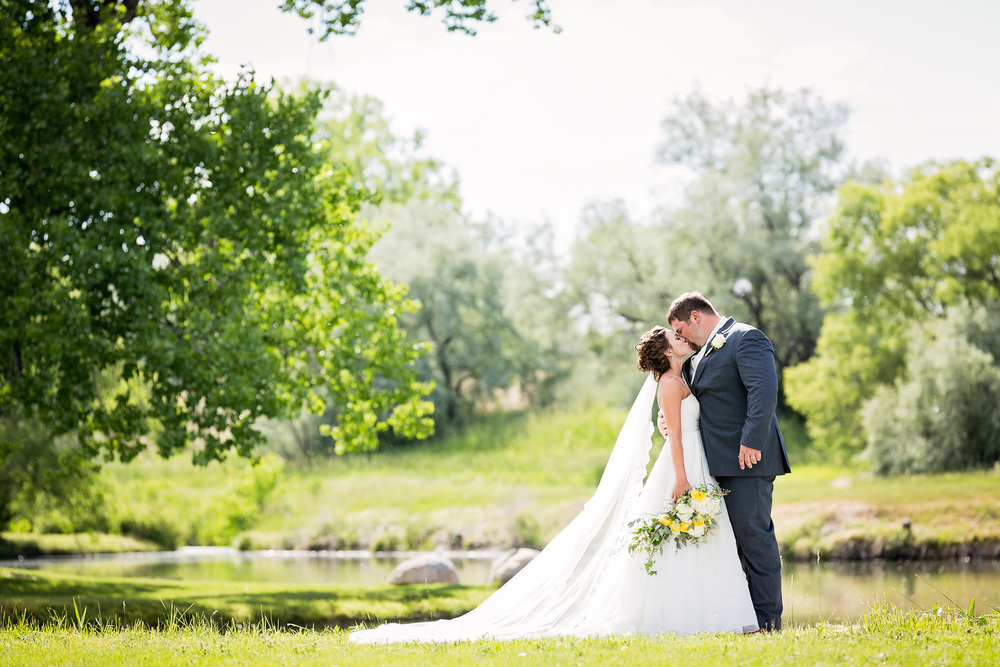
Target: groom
{"points": [[733, 377]]}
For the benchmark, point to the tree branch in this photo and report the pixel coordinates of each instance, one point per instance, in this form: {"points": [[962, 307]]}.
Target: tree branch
{"points": [[16, 358], [85, 13], [89, 14], [180, 336], [131, 9], [458, 384]]}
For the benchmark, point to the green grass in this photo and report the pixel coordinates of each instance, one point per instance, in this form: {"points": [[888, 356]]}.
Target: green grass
{"points": [[884, 637], [812, 483], [518, 478], [849, 514], [476, 484], [154, 602]]}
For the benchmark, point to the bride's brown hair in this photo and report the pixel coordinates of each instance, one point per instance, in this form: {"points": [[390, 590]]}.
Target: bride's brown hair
{"points": [[651, 347]]}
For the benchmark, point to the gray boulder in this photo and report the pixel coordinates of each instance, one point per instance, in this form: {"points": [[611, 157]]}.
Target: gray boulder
{"points": [[425, 569], [506, 566]]}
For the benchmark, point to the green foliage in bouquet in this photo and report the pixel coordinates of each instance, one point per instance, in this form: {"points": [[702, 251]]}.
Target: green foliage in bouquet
{"points": [[687, 521]]}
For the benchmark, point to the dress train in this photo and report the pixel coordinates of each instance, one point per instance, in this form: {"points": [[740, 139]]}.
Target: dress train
{"points": [[585, 583]]}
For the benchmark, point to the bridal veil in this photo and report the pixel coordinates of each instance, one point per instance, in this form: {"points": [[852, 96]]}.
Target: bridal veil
{"points": [[571, 584]]}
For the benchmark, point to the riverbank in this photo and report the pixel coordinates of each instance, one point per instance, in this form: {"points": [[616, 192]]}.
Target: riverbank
{"points": [[156, 602], [825, 530], [821, 515], [510, 480], [885, 636], [20, 545], [814, 592]]}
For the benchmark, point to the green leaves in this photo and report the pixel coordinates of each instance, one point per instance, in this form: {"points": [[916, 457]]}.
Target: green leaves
{"points": [[941, 415], [482, 309], [763, 174], [896, 255], [342, 17], [183, 259], [916, 245]]}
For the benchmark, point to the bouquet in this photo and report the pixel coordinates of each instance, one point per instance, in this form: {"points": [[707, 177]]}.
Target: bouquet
{"points": [[687, 521]]}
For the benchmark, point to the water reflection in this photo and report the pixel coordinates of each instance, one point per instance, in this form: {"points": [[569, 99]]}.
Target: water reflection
{"points": [[833, 592], [843, 591], [287, 567]]}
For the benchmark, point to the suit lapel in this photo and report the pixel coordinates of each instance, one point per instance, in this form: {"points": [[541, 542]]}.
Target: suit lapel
{"points": [[686, 371], [723, 330]]}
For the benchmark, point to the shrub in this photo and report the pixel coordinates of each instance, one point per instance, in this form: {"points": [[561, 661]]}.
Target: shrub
{"points": [[47, 480], [156, 528], [240, 507], [389, 540], [943, 414], [525, 532]]}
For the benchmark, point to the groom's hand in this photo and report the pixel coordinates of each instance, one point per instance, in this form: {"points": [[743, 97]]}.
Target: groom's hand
{"points": [[661, 420], [748, 457]]}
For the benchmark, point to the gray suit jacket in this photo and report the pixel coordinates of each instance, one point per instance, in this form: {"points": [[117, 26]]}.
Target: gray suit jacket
{"points": [[737, 387]]}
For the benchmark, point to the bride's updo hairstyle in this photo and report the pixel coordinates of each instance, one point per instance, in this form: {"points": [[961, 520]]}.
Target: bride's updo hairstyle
{"points": [[651, 348]]}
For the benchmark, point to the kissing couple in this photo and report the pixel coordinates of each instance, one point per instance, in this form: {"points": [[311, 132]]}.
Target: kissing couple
{"points": [[716, 386]]}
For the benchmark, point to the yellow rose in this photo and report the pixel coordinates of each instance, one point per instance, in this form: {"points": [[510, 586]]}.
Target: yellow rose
{"points": [[664, 519], [685, 526], [698, 496], [674, 527]]}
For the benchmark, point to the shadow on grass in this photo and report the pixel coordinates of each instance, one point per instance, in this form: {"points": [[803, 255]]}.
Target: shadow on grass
{"points": [[158, 603]]}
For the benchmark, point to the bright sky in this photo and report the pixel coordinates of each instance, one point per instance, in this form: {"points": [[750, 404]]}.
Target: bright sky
{"points": [[538, 124]]}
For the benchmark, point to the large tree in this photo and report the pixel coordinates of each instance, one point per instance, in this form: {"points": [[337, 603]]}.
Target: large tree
{"points": [[484, 310], [761, 174], [766, 171], [494, 336], [179, 256], [342, 17], [897, 255]]}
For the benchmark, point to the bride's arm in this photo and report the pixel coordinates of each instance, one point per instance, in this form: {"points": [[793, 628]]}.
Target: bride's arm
{"points": [[669, 396]]}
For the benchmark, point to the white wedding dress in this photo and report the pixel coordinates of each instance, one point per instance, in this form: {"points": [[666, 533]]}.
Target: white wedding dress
{"points": [[585, 583]]}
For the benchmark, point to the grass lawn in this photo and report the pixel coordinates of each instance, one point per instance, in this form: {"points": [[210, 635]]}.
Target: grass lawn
{"points": [[845, 514], [503, 479], [154, 601], [883, 637], [517, 479]]}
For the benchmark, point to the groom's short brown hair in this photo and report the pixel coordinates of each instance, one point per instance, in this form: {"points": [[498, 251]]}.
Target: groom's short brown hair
{"points": [[685, 304]]}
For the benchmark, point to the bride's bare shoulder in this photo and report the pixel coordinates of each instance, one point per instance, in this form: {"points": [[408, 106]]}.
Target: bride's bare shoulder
{"points": [[672, 387]]}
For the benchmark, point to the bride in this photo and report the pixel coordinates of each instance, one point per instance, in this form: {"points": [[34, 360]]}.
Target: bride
{"points": [[585, 582]]}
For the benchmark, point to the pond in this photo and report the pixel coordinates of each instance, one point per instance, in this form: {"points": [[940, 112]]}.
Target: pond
{"points": [[813, 592]]}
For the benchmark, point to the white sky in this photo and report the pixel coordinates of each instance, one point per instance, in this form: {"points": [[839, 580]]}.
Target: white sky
{"points": [[538, 124]]}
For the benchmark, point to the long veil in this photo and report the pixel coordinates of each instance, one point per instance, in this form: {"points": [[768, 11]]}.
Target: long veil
{"points": [[567, 588]]}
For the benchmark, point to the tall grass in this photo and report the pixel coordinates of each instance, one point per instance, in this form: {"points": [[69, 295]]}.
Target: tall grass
{"points": [[884, 637]]}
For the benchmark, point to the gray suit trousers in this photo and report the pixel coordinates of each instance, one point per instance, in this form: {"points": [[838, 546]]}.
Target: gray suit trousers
{"points": [[749, 507]]}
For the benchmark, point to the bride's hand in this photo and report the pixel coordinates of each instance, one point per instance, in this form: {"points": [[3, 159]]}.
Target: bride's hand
{"points": [[681, 487]]}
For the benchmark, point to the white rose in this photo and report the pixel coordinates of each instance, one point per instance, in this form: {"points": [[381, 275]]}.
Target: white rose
{"points": [[697, 531], [718, 341], [703, 506], [684, 513]]}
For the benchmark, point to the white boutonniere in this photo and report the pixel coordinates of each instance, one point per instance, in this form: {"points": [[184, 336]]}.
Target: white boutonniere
{"points": [[718, 341]]}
